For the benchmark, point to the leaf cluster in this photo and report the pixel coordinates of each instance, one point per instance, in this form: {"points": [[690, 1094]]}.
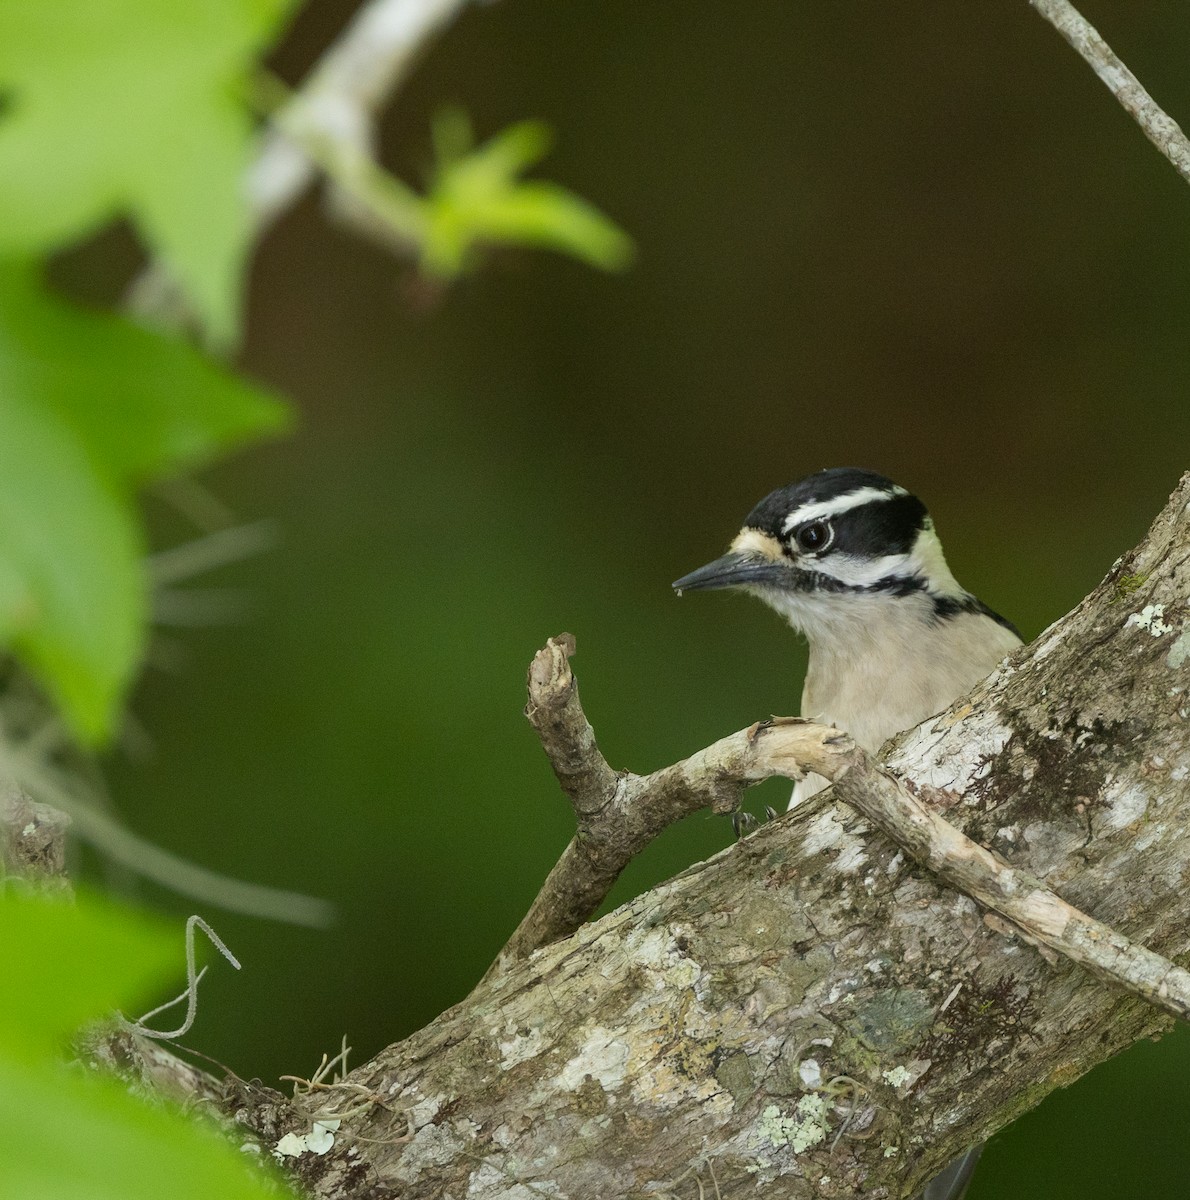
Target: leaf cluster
{"points": [[74, 1133]]}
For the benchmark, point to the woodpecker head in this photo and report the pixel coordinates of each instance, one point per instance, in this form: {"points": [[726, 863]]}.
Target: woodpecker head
{"points": [[838, 549]]}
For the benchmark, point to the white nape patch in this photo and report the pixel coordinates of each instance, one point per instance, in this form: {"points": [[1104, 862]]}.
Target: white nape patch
{"points": [[825, 509], [927, 561]]}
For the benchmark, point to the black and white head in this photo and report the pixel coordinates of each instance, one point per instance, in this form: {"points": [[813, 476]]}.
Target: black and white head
{"points": [[837, 551]]}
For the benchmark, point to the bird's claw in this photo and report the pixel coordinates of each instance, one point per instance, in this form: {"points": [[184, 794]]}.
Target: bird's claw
{"points": [[743, 822]]}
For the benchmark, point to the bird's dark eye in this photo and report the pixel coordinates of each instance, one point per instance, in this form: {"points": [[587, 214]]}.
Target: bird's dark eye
{"points": [[814, 536]]}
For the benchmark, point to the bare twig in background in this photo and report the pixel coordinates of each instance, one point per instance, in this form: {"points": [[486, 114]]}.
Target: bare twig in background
{"points": [[326, 125], [1159, 127], [63, 788], [351, 82]]}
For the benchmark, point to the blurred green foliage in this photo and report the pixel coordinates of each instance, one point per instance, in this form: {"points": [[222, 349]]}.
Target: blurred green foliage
{"points": [[132, 108], [72, 1134], [477, 198], [91, 407]]}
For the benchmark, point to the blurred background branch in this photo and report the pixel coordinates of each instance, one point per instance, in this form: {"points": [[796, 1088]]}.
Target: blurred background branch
{"points": [[327, 126], [342, 96], [1158, 126]]}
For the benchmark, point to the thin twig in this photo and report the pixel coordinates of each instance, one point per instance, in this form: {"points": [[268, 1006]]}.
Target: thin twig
{"points": [[619, 814], [554, 710], [193, 978], [350, 84], [328, 123], [1158, 126]]}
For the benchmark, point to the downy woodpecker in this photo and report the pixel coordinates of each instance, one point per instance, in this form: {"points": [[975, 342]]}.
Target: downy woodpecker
{"points": [[851, 560]]}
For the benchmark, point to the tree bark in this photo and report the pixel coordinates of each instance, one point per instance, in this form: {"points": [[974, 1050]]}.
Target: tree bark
{"points": [[808, 1013]]}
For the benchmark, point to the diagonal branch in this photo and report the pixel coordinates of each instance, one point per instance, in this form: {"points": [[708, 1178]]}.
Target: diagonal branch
{"points": [[1018, 895], [1158, 126], [351, 82]]}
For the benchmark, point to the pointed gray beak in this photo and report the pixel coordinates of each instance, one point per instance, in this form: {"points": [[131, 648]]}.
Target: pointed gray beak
{"points": [[733, 570]]}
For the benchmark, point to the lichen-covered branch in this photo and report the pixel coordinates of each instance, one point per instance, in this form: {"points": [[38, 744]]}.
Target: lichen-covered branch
{"points": [[809, 1013], [1031, 907], [1158, 126], [618, 815]]}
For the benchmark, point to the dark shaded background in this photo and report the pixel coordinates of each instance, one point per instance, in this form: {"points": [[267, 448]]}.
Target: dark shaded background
{"points": [[916, 237]]}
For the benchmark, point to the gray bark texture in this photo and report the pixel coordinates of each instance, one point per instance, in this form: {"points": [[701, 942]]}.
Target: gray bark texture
{"points": [[809, 1013]]}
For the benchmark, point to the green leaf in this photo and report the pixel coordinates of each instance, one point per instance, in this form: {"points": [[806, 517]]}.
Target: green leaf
{"points": [[90, 406], [476, 198], [70, 963], [73, 597], [494, 164], [68, 1135], [133, 108], [544, 214], [146, 405]]}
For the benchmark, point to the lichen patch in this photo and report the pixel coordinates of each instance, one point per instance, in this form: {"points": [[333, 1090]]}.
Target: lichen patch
{"points": [[806, 1127], [1124, 806], [603, 1057], [1179, 652], [952, 764], [519, 1046], [896, 1077], [1151, 619]]}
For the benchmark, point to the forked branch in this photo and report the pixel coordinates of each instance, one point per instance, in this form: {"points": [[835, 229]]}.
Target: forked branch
{"points": [[619, 814]]}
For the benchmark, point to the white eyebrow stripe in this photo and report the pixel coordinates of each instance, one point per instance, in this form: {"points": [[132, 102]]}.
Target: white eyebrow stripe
{"points": [[825, 509]]}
